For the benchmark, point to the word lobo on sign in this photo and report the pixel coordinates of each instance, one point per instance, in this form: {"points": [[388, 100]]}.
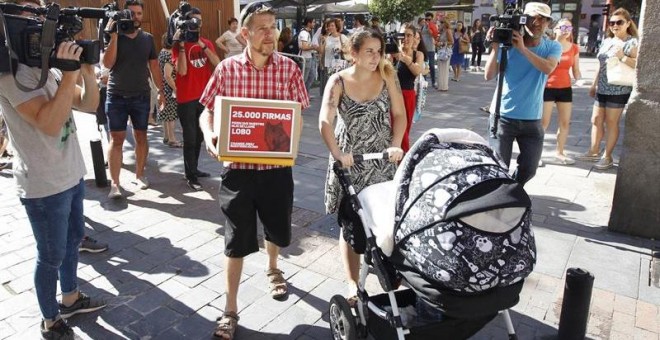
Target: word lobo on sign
{"points": [[257, 130]]}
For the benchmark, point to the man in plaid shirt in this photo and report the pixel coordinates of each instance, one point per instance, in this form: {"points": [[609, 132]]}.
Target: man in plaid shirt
{"points": [[251, 190]]}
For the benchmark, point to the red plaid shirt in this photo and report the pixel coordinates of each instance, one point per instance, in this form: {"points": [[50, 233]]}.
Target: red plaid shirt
{"points": [[280, 79]]}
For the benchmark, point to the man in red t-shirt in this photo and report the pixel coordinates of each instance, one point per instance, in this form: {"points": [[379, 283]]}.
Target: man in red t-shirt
{"points": [[194, 63]]}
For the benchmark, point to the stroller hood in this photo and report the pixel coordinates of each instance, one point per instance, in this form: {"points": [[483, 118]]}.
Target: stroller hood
{"points": [[461, 221]]}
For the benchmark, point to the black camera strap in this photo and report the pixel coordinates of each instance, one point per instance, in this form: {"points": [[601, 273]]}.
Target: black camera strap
{"points": [[46, 46]]}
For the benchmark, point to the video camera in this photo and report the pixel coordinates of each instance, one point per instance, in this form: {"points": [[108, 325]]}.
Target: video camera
{"points": [[392, 42], [182, 20], [33, 40], [511, 20], [123, 19]]}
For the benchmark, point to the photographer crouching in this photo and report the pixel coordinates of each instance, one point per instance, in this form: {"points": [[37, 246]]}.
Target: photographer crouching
{"points": [[48, 164], [532, 57]]}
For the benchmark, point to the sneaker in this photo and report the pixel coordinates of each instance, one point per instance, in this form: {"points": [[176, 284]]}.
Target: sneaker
{"points": [[84, 304], [195, 185], [59, 330], [142, 182], [115, 193], [91, 245], [604, 163], [563, 160], [588, 157]]}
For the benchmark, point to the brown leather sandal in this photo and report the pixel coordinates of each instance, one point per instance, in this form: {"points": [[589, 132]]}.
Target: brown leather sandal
{"points": [[276, 283], [226, 326]]}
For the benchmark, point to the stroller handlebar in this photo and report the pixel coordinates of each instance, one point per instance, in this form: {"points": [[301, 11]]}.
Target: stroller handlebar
{"points": [[364, 157]]}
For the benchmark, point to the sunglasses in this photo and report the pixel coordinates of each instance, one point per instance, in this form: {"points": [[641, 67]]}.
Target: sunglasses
{"points": [[617, 23], [565, 28], [427, 19], [256, 7]]}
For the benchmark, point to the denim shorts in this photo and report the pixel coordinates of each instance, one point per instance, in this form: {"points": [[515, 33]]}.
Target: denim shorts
{"points": [[613, 101], [119, 108]]}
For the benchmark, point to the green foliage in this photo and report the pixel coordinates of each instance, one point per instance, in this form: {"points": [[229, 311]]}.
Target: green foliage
{"points": [[633, 6], [399, 10]]}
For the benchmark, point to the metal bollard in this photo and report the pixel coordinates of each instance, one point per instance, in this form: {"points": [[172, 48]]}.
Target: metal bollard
{"points": [[575, 307], [99, 163]]}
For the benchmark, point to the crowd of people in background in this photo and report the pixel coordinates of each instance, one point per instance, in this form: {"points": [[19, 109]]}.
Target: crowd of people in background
{"points": [[370, 100]]}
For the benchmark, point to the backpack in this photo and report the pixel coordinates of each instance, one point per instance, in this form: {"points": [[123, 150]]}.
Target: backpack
{"points": [[293, 47]]}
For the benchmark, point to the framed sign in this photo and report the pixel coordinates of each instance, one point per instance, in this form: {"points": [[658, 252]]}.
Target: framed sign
{"points": [[570, 7], [467, 19], [257, 130]]}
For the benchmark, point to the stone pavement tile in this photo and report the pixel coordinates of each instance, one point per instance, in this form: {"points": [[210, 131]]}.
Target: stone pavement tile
{"points": [[553, 251], [599, 326], [646, 317], [292, 322], [602, 301], [247, 295], [642, 334], [254, 317], [329, 264], [21, 284], [306, 247], [624, 304], [10, 259], [623, 323], [649, 293], [305, 280], [590, 256], [173, 288], [16, 304], [155, 322], [5, 329], [194, 299], [149, 301], [320, 330], [120, 317], [199, 325]]}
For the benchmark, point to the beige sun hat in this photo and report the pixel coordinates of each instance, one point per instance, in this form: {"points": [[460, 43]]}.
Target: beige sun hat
{"points": [[538, 8]]}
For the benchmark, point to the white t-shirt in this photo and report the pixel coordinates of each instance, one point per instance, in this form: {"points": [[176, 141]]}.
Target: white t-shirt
{"points": [[232, 44], [333, 47], [307, 38], [43, 165]]}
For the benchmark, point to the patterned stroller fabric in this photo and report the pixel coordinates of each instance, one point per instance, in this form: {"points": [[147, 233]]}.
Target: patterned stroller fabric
{"points": [[461, 222]]}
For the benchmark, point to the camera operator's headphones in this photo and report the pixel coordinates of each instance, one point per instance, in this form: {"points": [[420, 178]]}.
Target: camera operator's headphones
{"points": [[46, 46]]}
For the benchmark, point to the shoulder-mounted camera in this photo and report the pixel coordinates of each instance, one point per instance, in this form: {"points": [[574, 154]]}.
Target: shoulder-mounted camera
{"points": [[183, 20], [511, 20]]}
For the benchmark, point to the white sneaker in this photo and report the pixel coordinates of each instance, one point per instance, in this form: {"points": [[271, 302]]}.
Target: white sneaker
{"points": [[142, 183], [115, 192]]}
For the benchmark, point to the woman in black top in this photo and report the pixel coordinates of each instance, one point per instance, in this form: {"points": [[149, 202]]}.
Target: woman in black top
{"points": [[409, 64], [478, 37]]}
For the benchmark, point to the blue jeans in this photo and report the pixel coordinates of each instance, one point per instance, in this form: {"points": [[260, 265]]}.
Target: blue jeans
{"points": [[529, 135], [58, 227], [431, 57]]}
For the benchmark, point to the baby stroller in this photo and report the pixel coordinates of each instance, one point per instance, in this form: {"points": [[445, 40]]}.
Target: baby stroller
{"points": [[453, 226]]}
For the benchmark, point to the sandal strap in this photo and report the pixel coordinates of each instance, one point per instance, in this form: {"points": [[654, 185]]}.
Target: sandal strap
{"points": [[275, 276]]}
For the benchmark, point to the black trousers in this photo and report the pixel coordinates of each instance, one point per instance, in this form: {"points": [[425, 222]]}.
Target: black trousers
{"points": [[192, 135], [477, 51]]}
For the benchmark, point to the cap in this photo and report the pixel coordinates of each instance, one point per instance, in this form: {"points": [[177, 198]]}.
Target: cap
{"points": [[538, 8]]}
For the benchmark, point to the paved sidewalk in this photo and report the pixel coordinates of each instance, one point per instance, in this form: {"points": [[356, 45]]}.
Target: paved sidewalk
{"points": [[163, 275]]}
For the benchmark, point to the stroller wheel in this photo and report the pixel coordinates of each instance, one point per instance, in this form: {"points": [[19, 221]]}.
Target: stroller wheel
{"points": [[342, 321]]}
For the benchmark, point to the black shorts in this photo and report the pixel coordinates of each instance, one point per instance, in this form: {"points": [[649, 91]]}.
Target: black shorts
{"points": [[247, 194], [613, 101], [564, 95]]}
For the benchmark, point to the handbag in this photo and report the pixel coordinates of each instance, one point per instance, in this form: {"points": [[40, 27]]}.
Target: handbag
{"points": [[444, 53], [463, 46], [619, 73]]}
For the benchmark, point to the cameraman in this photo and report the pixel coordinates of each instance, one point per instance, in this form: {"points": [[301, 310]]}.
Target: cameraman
{"points": [[49, 170], [194, 63], [131, 57], [530, 61]]}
